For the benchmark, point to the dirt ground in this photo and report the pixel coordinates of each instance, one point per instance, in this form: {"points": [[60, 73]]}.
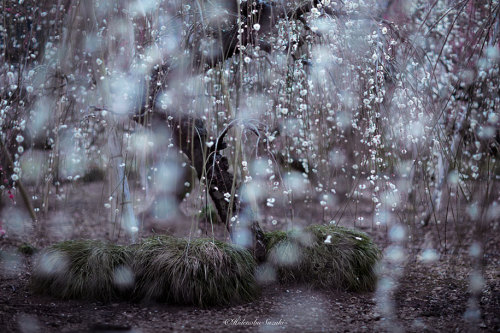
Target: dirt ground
{"points": [[429, 297]]}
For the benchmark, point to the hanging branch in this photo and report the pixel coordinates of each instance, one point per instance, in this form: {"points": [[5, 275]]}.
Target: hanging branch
{"points": [[22, 190], [117, 162], [458, 133]]}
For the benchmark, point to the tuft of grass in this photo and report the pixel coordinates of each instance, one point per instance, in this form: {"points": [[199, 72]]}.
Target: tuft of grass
{"points": [[200, 272], [86, 269], [27, 249], [93, 175], [345, 261]]}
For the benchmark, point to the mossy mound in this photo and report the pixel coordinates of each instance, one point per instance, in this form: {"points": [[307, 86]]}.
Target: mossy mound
{"points": [[86, 269], [200, 272], [324, 256]]}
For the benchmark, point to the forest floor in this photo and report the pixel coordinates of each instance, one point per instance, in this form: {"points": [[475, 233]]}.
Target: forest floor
{"points": [[430, 297]]}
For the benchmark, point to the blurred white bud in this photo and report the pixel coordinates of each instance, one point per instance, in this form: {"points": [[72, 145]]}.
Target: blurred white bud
{"points": [[123, 277]]}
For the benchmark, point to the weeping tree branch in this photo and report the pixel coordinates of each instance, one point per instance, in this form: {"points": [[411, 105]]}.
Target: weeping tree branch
{"points": [[460, 124], [117, 162], [22, 190]]}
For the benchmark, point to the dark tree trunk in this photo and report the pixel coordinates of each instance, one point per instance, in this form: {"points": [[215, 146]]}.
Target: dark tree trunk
{"points": [[190, 136]]}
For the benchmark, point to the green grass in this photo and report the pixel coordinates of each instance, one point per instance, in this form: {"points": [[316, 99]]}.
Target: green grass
{"points": [[27, 249], [346, 263], [200, 272], [86, 269], [205, 272]]}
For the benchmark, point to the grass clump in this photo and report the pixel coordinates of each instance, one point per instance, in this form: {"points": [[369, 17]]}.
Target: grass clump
{"points": [[27, 249], [205, 272], [200, 272], [86, 269], [325, 256]]}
